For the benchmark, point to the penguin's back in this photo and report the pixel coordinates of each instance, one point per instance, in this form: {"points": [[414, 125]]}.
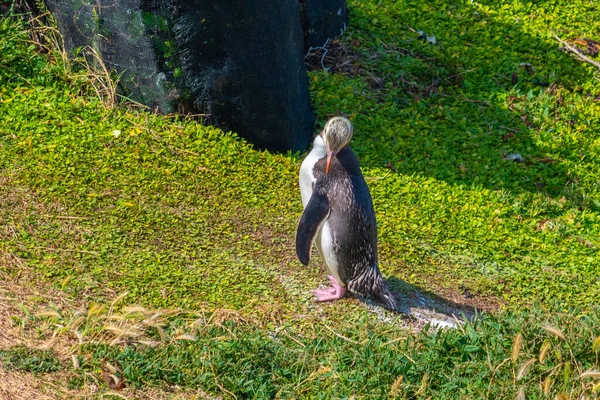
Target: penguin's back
{"points": [[351, 223]]}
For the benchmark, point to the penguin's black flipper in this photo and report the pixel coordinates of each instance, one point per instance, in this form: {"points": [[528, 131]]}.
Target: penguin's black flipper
{"points": [[313, 216]]}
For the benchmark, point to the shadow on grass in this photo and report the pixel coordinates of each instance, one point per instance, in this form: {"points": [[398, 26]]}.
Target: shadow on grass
{"points": [[421, 307], [482, 107], [426, 306]]}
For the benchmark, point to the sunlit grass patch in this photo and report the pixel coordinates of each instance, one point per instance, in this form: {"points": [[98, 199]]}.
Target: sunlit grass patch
{"points": [[481, 153]]}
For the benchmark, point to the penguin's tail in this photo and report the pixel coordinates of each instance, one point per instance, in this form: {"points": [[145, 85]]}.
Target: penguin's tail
{"points": [[386, 297], [371, 284]]}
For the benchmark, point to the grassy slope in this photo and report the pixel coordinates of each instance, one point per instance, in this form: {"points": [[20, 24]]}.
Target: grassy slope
{"points": [[183, 216], [455, 203]]}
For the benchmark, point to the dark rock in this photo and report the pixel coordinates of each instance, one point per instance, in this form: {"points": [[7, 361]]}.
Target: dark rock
{"points": [[322, 20], [244, 66], [241, 62], [117, 31]]}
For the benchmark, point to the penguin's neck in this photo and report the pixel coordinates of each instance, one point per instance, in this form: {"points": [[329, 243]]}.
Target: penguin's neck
{"points": [[319, 150], [307, 176]]}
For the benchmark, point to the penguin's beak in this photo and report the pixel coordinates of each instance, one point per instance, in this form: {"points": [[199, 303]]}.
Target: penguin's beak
{"points": [[330, 156]]}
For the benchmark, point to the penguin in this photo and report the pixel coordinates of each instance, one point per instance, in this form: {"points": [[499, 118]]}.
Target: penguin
{"points": [[339, 217]]}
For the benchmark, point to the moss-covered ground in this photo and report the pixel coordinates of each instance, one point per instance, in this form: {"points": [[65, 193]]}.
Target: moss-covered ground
{"points": [[196, 228]]}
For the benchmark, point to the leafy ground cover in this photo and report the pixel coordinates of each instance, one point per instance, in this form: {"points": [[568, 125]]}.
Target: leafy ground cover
{"points": [[101, 209]]}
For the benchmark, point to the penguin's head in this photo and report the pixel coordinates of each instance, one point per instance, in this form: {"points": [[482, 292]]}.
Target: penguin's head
{"points": [[336, 134]]}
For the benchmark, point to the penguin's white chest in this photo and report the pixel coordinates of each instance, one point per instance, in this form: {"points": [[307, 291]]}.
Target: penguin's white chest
{"points": [[325, 239], [326, 245], [307, 180], [307, 176]]}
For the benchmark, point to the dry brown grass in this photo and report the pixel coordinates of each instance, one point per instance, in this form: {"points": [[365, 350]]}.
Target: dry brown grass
{"points": [[95, 75], [62, 336], [22, 386], [98, 76], [9, 336], [108, 326], [27, 386]]}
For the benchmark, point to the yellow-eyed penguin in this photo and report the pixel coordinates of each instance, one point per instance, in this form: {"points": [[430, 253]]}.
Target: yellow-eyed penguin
{"points": [[339, 217]]}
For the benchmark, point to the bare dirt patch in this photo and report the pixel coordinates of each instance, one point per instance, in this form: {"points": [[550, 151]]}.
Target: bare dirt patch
{"points": [[335, 56]]}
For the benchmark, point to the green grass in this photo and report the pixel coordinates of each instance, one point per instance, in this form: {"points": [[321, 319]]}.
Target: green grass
{"points": [[268, 365], [96, 202], [492, 357], [22, 358], [454, 195]]}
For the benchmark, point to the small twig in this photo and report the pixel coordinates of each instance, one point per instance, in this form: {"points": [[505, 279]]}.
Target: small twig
{"points": [[394, 341], [458, 324], [183, 116], [476, 101], [219, 385], [455, 75], [397, 49], [324, 47], [494, 373], [335, 67], [133, 102], [576, 52], [188, 152], [68, 250], [510, 129], [64, 217], [19, 75], [292, 338], [339, 335]]}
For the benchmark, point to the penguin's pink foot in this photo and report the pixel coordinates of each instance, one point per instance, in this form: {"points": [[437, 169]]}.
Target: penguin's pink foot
{"points": [[334, 292]]}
